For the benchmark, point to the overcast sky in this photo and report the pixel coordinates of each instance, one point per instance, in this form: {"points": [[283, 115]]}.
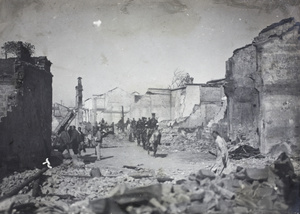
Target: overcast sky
{"points": [[136, 44]]}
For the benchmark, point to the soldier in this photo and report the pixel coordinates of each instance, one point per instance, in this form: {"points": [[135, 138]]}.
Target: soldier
{"points": [[151, 126], [139, 127], [64, 139], [132, 128], [75, 140], [154, 140], [127, 124], [102, 124], [144, 131], [81, 141]]}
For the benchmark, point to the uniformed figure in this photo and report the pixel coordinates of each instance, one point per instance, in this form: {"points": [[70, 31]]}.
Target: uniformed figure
{"points": [[132, 130], [151, 125], [139, 127], [154, 140], [144, 131]]}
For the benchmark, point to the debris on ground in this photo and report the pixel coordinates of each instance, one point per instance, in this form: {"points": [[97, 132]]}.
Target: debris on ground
{"points": [[178, 140], [241, 151], [272, 189]]}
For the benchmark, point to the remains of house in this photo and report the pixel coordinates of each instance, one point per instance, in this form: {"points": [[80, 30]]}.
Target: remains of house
{"points": [[255, 109]]}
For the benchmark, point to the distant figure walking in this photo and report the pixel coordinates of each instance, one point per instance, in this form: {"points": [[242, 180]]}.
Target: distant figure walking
{"points": [[75, 140], [222, 153], [154, 141], [98, 144], [64, 140]]}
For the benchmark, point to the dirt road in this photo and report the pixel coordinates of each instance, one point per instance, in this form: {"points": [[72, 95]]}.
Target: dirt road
{"points": [[178, 165]]}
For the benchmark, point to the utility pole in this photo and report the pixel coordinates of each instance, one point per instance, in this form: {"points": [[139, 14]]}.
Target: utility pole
{"points": [[79, 90]]}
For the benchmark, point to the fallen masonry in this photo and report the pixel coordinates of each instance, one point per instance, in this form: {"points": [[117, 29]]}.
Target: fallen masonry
{"points": [[273, 189]]}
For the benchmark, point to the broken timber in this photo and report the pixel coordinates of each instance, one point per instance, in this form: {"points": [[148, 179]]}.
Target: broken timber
{"points": [[22, 185]]}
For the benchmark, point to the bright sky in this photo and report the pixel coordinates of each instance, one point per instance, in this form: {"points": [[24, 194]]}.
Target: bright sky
{"points": [[136, 44]]}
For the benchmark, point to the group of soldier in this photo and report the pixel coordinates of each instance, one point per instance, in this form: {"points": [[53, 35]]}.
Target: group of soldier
{"points": [[142, 131], [71, 138]]}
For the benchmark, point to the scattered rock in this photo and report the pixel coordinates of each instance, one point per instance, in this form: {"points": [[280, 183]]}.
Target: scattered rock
{"points": [[95, 172], [205, 173], [253, 174]]}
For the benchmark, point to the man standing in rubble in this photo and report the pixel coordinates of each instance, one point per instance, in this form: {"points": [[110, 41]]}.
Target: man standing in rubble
{"points": [[221, 153]]}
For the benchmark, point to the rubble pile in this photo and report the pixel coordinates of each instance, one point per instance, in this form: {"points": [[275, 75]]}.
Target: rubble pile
{"points": [[244, 151], [73, 181], [272, 189], [174, 140], [14, 180], [79, 183]]}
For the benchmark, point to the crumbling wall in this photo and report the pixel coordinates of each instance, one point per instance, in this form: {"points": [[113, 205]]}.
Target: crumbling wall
{"points": [[211, 99], [243, 105], [177, 103], [108, 106], [209, 104], [25, 131], [185, 105], [156, 101], [161, 104], [141, 108], [279, 63], [263, 88], [6, 85], [192, 98]]}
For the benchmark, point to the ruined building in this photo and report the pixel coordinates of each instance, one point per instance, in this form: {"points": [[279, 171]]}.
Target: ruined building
{"points": [[107, 106], [263, 88], [25, 111], [190, 106]]}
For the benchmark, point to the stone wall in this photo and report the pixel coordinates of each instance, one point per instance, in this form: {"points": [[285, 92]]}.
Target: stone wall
{"points": [[263, 88], [243, 105], [6, 85], [279, 63], [25, 130]]}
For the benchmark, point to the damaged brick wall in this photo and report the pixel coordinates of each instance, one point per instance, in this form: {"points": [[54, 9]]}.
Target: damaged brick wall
{"points": [[25, 129], [263, 87]]}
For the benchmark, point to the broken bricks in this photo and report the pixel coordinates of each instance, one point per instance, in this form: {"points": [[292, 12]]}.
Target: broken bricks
{"points": [[255, 174]]}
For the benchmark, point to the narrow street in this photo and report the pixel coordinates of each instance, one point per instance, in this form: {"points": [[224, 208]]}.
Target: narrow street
{"points": [[178, 165]]}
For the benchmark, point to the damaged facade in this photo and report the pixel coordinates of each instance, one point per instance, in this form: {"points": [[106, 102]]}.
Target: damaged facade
{"points": [[25, 111], [262, 87], [190, 106], [107, 106]]}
